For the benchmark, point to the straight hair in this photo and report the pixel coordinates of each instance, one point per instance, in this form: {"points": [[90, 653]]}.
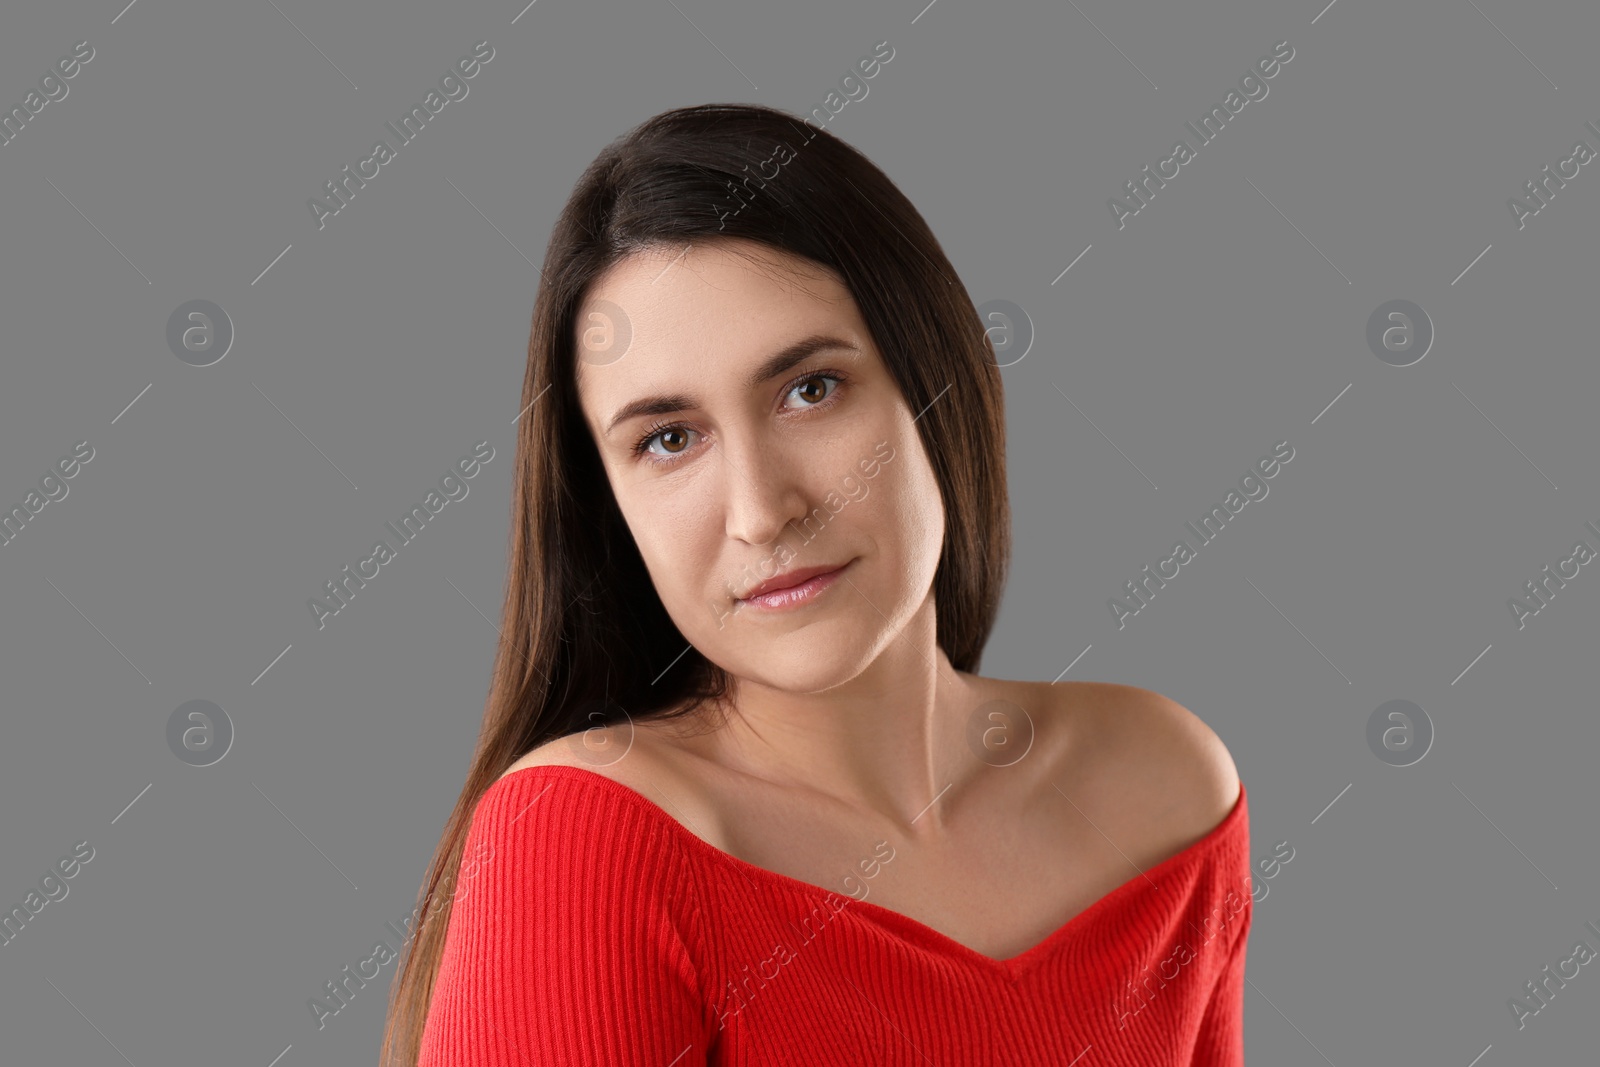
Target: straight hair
{"points": [[584, 640]]}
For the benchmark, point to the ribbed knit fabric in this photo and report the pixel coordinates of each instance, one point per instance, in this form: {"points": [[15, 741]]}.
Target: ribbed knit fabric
{"points": [[591, 927]]}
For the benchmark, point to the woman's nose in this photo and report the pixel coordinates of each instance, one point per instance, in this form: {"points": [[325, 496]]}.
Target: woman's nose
{"points": [[762, 492]]}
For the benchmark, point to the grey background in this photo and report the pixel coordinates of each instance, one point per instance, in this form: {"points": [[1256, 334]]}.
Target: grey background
{"points": [[1228, 315]]}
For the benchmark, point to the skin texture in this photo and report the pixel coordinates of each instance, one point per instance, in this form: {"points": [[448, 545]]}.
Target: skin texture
{"points": [[843, 693], [851, 727]]}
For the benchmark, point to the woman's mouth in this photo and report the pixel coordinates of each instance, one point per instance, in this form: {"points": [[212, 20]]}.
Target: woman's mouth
{"points": [[796, 595]]}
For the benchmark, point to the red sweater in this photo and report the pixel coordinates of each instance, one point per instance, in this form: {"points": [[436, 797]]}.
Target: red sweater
{"points": [[591, 927]]}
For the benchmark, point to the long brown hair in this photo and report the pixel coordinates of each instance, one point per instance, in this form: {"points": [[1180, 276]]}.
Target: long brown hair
{"points": [[584, 641]]}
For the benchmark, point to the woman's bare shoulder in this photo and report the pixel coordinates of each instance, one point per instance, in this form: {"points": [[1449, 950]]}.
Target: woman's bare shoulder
{"points": [[637, 756], [1142, 758], [559, 752], [1173, 752], [622, 753]]}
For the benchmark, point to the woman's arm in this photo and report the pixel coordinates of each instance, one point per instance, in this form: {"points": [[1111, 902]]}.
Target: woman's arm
{"points": [[573, 941], [1221, 1040]]}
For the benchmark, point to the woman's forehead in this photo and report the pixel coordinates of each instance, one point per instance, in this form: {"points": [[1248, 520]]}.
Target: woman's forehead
{"points": [[656, 316], [726, 270]]}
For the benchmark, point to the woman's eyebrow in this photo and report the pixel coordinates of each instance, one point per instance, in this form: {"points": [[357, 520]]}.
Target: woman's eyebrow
{"points": [[769, 368]]}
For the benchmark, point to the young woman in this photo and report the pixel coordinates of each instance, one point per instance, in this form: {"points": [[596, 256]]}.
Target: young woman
{"points": [[760, 535]]}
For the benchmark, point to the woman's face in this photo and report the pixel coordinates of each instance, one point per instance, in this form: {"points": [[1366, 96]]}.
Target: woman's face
{"points": [[733, 466]]}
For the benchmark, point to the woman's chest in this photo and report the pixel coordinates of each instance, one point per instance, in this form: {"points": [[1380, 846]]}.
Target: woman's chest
{"points": [[998, 886]]}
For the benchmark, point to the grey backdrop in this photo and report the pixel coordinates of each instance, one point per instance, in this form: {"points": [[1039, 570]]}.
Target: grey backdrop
{"points": [[1229, 314]]}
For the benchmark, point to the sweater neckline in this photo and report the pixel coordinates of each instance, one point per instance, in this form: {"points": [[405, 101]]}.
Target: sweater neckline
{"points": [[903, 927]]}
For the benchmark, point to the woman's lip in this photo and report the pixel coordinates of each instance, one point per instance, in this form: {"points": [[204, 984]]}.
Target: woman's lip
{"points": [[795, 595]]}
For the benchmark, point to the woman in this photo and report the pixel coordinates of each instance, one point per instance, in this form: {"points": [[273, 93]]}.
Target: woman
{"points": [[760, 535]]}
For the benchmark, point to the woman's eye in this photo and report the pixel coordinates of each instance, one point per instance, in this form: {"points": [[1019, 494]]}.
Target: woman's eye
{"points": [[825, 393], [673, 435], [665, 436]]}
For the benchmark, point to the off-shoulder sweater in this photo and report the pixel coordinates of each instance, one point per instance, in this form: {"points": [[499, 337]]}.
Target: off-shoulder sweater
{"points": [[591, 927]]}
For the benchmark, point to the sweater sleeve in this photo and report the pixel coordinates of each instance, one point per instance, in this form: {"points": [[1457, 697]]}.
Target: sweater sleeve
{"points": [[573, 938], [1221, 1039]]}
